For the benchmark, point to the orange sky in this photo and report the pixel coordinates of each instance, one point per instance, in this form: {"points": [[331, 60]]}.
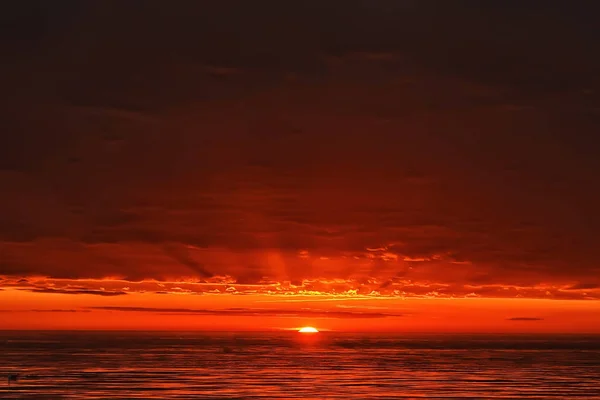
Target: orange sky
{"points": [[228, 312]]}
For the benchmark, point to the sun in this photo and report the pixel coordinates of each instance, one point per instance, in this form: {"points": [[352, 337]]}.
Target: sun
{"points": [[308, 329]]}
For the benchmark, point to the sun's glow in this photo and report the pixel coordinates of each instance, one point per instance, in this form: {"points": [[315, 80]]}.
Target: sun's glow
{"points": [[308, 329]]}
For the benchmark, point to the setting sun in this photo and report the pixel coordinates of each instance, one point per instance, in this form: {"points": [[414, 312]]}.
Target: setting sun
{"points": [[308, 329]]}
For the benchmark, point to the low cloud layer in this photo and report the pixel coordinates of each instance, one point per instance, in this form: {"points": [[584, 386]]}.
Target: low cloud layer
{"points": [[525, 319], [338, 288], [256, 312], [77, 291]]}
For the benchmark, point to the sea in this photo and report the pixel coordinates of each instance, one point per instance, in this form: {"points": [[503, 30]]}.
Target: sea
{"points": [[291, 365]]}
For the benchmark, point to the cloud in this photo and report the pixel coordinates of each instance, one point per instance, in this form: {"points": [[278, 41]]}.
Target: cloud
{"points": [[181, 254], [36, 310], [398, 286], [60, 311], [363, 56], [525, 319], [584, 286], [254, 312], [77, 291], [222, 71]]}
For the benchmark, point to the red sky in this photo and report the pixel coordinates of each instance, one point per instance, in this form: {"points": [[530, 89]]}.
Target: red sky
{"points": [[389, 166]]}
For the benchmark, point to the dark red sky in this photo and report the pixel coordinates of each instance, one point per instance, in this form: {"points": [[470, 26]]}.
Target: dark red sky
{"points": [[388, 147]]}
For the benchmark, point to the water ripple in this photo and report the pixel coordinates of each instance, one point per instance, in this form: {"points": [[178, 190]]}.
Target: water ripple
{"points": [[98, 365]]}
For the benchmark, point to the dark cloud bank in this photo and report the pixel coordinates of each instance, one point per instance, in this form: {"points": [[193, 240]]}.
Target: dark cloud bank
{"points": [[279, 141]]}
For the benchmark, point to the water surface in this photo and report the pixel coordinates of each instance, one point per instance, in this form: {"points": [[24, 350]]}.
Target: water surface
{"points": [[167, 365]]}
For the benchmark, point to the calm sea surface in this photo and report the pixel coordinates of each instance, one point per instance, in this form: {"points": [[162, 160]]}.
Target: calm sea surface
{"points": [[127, 365]]}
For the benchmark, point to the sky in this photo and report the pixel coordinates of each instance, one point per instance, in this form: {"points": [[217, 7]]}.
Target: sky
{"points": [[357, 165]]}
